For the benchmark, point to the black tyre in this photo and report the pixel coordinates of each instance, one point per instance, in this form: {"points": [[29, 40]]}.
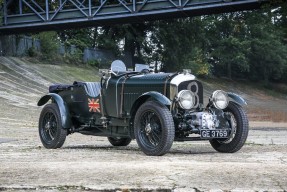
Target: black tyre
{"points": [[154, 128], [51, 133], [118, 141], [240, 128]]}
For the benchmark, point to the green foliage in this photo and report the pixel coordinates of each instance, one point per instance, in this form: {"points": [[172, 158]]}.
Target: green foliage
{"points": [[128, 39], [93, 63], [181, 43], [75, 57], [81, 38], [198, 64], [49, 44], [231, 53], [32, 52], [268, 54]]}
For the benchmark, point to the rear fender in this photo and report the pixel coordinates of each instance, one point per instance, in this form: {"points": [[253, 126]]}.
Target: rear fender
{"points": [[236, 99], [64, 111]]}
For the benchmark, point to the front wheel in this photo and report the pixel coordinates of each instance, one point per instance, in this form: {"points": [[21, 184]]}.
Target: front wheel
{"points": [[118, 141], [240, 127], [154, 128], [51, 133]]}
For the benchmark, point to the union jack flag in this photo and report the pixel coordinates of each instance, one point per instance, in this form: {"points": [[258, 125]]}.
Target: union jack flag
{"points": [[94, 105]]}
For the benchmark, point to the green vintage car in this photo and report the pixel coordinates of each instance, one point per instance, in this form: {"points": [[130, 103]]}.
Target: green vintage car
{"points": [[156, 109]]}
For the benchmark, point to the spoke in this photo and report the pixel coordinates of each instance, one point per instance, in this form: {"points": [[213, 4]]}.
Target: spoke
{"points": [[150, 129], [155, 135], [53, 130], [150, 117], [44, 123], [51, 136], [233, 125], [49, 126], [151, 140], [154, 139]]}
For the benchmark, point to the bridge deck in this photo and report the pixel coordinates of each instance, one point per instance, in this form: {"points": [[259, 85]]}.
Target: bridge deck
{"points": [[32, 15]]}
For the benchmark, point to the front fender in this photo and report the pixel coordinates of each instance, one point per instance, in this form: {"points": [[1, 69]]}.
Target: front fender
{"points": [[64, 111], [158, 97], [144, 97], [236, 99]]}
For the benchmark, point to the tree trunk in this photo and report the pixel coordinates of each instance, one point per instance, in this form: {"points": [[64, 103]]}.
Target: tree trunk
{"points": [[266, 76], [229, 70], [155, 66]]}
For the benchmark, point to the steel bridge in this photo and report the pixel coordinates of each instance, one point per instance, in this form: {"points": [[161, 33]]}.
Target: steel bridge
{"points": [[19, 16]]}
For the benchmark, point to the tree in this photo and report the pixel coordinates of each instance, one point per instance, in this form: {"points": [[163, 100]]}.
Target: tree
{"points": [[81, 38], [126, 39], [181, 43], [49, 43], [268, 54], [228, 44]]}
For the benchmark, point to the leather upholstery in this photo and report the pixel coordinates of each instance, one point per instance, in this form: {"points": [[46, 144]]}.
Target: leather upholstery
{"points": [[93, 89]]}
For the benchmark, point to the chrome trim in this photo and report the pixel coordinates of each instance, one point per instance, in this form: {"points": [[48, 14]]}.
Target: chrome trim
{"points": [[108, 82], [117, 94], [181, 78], [173, 92], [176, 80], [122, 96], [214, 97], [179, 96]]}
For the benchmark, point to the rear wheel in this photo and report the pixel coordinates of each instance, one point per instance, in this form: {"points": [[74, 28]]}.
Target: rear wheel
{"points": [[154, 128], [51, 133], [239, 124], [118, 141]]}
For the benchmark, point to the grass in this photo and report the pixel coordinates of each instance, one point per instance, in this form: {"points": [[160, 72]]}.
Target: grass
{"points": [[87, 74], [64, 73]]}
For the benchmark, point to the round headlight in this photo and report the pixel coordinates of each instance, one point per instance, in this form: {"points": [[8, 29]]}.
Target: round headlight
{"points": [[186, 99], [220, 99]]}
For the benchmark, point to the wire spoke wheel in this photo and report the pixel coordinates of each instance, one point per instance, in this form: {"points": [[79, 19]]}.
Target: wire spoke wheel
{"points": [[239, 130], [50, 127], [233, 124], [151, 131], [51, 133], [154, 128]]}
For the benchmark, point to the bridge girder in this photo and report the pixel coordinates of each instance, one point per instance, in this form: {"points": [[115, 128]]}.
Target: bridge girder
{"points": [[31, 15]]}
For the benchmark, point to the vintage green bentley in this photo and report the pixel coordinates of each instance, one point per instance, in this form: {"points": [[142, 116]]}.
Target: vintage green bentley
{"points": [[156, 109]]}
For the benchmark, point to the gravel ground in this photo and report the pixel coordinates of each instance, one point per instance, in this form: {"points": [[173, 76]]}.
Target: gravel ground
{"points": [[87, 163]]}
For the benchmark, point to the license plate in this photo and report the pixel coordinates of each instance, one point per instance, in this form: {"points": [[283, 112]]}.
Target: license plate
{"points": [[207, 133]]}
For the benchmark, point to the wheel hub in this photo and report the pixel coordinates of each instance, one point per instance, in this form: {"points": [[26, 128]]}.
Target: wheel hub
{"points": [[48, 125], [148, 128]]}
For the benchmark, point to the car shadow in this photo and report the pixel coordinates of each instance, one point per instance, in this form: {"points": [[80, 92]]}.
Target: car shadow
{"points": [[136, 149], [185, 152], [105, 147]]}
